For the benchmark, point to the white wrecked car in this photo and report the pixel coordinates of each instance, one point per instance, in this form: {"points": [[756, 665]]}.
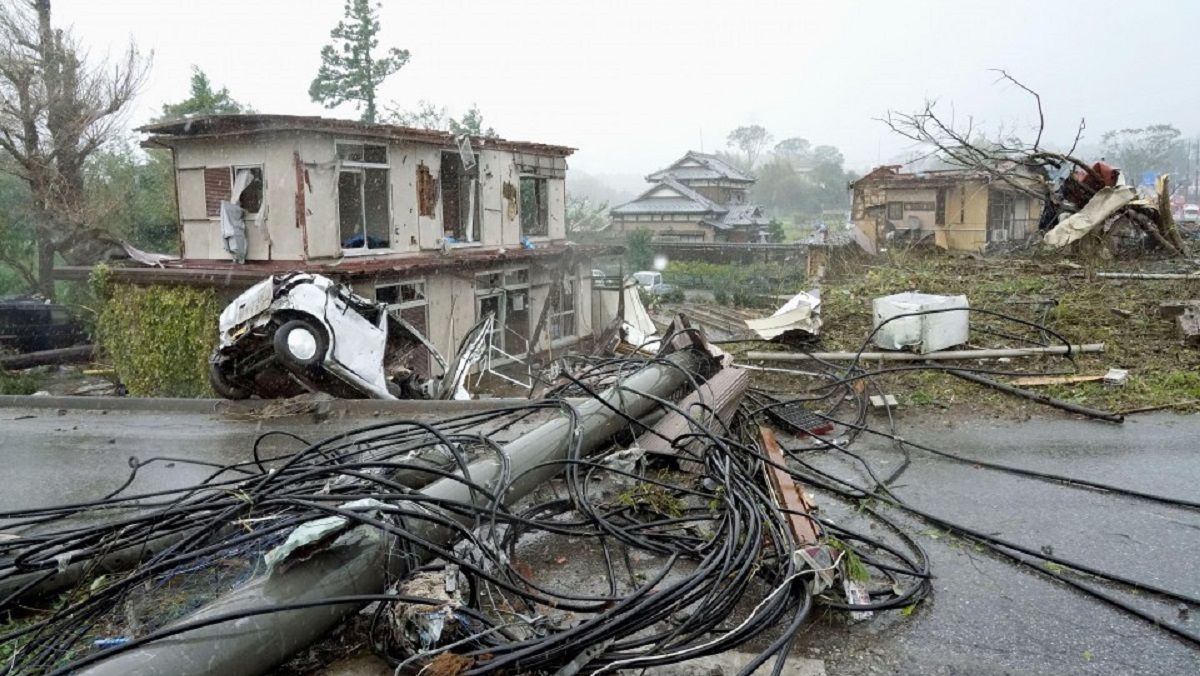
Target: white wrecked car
{"points": [[299, 331]]}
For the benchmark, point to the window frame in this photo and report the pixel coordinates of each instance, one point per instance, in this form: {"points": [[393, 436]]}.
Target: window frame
{"points": [[422, 301], [569, 287], [892, 208], [357, 166], [542, 195]]}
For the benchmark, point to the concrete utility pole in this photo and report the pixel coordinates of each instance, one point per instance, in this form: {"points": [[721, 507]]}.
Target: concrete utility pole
{"points": [[258, 643]]}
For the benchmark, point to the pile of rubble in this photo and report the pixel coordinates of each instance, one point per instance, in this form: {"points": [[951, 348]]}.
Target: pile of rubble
{"points": [[1097, 201]]}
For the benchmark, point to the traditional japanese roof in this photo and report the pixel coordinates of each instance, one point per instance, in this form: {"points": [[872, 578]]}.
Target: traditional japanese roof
{"points": [[213, 126], [745, 214], [696, 166], [669, 196]]}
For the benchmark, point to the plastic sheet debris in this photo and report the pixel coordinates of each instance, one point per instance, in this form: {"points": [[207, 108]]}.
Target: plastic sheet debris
{"points": [[800, 314], [1105, 203], [423, 626], [937, 329]]}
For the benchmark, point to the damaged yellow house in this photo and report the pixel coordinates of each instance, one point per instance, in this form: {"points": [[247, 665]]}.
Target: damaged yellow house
{"points": [[958, 210]]}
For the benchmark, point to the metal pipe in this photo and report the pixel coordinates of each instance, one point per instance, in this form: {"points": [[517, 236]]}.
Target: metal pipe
{"points": [[257, 644], [933, 356]]}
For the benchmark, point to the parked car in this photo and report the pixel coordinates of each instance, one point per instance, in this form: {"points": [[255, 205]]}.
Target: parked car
{"points": [[299, 331], [1190, 214], [648, 279], [30, 325]]}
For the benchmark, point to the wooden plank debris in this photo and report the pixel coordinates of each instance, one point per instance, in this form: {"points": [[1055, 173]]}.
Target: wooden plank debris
{"points": [[789, 495], [1034, 381]]}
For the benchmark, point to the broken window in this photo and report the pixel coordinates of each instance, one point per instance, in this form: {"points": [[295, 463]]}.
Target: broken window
{"points": [[461, 211], [408, 301], [220, 183], [251, 197], [535, 207], [506, 294], [426, 191], [562, 315], [364, 212]]}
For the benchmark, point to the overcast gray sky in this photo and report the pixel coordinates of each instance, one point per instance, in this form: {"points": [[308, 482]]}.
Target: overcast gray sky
{"points": [[634, 84]]}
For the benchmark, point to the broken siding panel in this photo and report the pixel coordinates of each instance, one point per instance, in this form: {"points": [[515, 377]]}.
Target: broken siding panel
{"points": [[429, 223], [558, 208], [317, 155], [404, 198], [495, 169], [190, 183]]}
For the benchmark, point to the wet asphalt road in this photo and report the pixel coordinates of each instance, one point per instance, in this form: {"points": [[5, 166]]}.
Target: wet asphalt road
{"points": [[986, 616]]}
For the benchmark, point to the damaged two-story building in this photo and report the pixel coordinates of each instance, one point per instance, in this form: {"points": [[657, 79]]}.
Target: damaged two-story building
{"points": [[442, 229]]}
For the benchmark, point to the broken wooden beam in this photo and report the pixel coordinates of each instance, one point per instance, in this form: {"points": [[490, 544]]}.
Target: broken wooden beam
{"points": [[789, 496], [910, 356]]}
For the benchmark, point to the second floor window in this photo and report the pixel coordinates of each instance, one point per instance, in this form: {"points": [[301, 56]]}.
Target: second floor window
{"points": [[535, 207]]}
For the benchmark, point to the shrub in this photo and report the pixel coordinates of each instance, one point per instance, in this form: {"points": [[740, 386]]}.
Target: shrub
{"points": [[639, 249], [17, 383], [158, 337], [721, 296]]}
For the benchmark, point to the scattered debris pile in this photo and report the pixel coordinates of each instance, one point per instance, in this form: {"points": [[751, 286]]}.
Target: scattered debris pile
{"points": [[698, 494], [1083, 200]]}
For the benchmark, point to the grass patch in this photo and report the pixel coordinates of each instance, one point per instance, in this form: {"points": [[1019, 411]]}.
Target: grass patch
{"points": [[1161, 370], [19, 383]]}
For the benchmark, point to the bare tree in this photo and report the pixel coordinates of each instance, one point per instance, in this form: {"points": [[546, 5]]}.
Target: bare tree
{"points": [[56, 110]]}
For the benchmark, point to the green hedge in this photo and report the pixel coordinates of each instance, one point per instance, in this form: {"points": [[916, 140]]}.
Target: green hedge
{"points": [[158, 337]]}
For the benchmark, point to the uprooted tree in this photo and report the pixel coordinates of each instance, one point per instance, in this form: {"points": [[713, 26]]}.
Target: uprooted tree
{"points": [[56, 111], [1023, 166]]}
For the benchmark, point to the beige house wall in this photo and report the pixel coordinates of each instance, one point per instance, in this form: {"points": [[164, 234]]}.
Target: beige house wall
{"points": [[673, 227], [282, 237]]}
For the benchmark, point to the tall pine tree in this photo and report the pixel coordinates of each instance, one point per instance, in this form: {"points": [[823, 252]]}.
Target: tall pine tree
{"points": [[349, 72]]}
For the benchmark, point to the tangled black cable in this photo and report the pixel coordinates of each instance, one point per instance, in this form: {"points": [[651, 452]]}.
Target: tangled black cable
{"points": [[716, 563]]}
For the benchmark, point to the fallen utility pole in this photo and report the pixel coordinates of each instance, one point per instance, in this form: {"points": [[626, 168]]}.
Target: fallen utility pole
{"points": [[65, 355], [257, 643], [1040, 398], [932, 356]]}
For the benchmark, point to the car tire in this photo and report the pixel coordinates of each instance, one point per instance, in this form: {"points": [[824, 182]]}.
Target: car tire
{"points": [[223, 386], [300, 345]]}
